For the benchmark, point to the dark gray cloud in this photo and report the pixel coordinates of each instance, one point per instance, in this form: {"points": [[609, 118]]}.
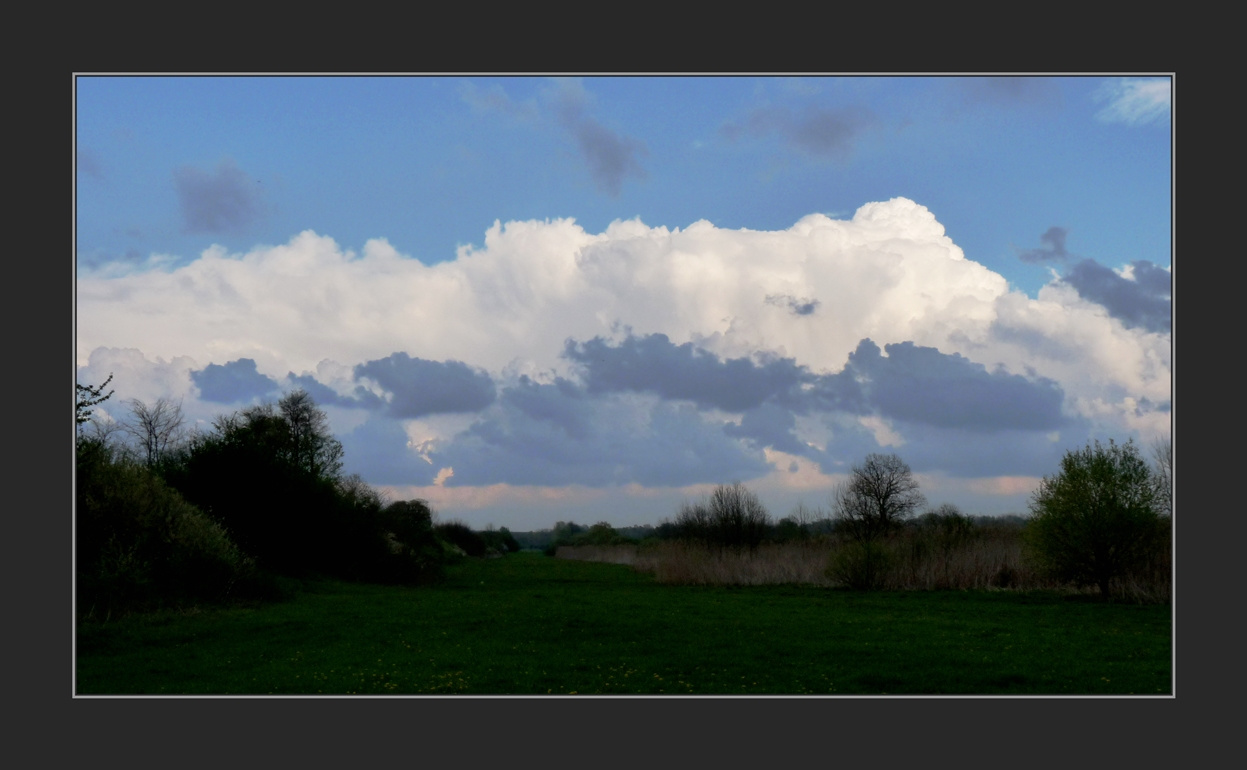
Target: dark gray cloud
{"points": [[962, 454], [1052, 246], [769, 425], [225, 201], [922, 385], [419, 387], [378, 450], [661, 445], [796, 306], [1143, 302], [817, 131], [684, 372], [562, 404], [323, 394], [233, 382], [611, 158]]}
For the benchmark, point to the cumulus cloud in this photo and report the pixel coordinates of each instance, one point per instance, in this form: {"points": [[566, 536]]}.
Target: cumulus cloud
{"points": [[1052, 246], [414, 387], [631, 439], [922, 385], [653, 364], [817, 131], [225, 201], [1138, 296], [234, 382], [1135, 101], [648, 355]]}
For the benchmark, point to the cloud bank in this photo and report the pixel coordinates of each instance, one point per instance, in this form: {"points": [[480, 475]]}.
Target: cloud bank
{"points": [[644, 357]]}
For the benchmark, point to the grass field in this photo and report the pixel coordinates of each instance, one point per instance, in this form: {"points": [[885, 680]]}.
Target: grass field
{"points": [[529, 624]]}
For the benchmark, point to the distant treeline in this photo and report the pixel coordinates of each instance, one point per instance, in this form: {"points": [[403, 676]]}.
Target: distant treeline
{"points": [[696, 526]]}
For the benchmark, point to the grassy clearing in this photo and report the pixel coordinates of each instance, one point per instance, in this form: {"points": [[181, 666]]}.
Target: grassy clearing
{"points": [[527, 624]]}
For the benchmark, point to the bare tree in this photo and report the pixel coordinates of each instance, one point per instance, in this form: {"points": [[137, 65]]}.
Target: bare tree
{"points": [[731, 516], [1162, 474], [155, 428], [879, 495], [88, 396]]}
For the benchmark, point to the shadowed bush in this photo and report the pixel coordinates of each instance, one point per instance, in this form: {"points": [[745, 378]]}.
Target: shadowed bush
{"points": [[463, 537], [140, 544], [731, 517]]}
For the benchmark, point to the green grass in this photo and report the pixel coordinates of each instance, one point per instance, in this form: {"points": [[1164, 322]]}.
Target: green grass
{"points": [[528, 624]]}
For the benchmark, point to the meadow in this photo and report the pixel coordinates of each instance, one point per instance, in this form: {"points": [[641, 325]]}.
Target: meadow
{"points": [[528, 624]]}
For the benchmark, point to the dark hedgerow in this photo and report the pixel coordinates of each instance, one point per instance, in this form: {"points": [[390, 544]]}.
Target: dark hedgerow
{"points": [[140, 544], [459, 534]]}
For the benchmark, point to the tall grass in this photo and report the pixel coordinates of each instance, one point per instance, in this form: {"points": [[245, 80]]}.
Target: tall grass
{"points": [[983, 558]]}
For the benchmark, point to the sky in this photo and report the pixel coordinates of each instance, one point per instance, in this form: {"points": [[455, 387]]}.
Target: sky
{"points": [[529, 299]]}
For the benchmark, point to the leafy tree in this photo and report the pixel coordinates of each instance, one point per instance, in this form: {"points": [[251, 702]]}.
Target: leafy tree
{"points": [[312, 447], [879, 495], [1162, 473], [1096, 520], [276, 486]]}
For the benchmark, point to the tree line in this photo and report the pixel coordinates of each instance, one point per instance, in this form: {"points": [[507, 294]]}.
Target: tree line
{"points": [[166, 515], [1105, 517]]}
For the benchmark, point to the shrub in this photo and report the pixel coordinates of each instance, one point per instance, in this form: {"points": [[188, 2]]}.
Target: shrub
{"points": [[731, 517], [140, 543], [860, 564], [1096, 520], [463, 537]]}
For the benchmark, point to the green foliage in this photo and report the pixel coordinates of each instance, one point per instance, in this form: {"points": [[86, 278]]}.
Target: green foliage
{"points": [[860, 564], [415, 553], [139, 543], [272, 476], [500, 541], [1096, 520], [463, 537]]}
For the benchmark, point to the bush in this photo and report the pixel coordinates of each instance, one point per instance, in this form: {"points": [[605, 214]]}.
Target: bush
{"points": [[731, 517], [860, 564], [1096, 521], [139, 543], [463, 537]]}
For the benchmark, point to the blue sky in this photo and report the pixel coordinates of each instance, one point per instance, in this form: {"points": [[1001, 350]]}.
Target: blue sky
{"points": [[540, 299]]}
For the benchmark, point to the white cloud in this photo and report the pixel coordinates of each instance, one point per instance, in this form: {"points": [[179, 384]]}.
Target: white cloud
{"points": [[1135, 100], [890, 274]]}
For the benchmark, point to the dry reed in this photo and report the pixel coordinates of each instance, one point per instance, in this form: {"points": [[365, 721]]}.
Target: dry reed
{"points": [[990, 558]]}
